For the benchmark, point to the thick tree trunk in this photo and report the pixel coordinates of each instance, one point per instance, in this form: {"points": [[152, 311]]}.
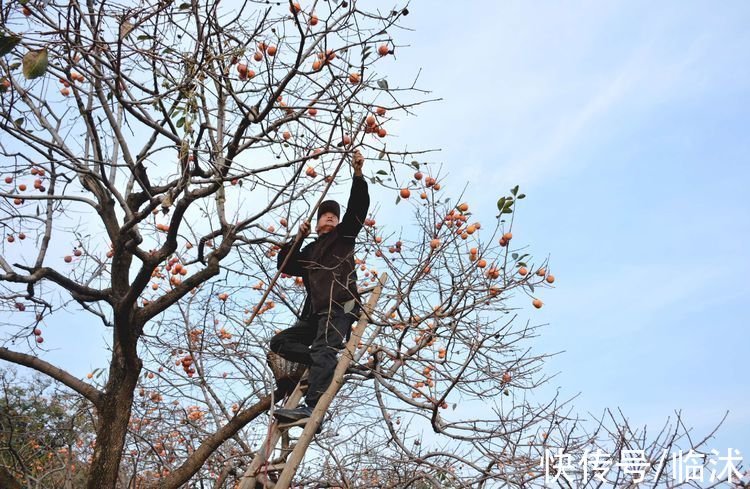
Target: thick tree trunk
{"points": [[114, 415]]}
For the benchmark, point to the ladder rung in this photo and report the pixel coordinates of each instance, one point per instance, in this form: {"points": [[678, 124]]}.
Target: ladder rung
{"points": [[289, 448], [273, 467]]}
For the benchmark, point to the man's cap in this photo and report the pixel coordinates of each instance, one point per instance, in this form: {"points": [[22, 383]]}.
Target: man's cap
{"points": [[329, 206]]}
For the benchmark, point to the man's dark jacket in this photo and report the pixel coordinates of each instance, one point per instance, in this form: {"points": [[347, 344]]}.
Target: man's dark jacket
{"points": [[327, 264]]}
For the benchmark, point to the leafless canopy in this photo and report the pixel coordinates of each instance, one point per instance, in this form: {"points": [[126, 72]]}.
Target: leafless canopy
{"points": [[157, 154]]}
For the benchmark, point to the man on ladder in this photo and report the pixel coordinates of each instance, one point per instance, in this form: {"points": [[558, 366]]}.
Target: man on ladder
{"points": [[332, 303]]}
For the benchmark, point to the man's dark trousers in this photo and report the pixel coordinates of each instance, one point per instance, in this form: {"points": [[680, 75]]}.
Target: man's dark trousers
{"points": [[315, 340]]}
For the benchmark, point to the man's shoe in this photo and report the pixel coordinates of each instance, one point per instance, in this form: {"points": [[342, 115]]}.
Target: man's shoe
{"points": [[295, 414], [298, 415]]}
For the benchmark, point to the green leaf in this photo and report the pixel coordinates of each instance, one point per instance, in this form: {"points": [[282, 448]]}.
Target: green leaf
{"points": [[382, 172], [381, 155], [181, 122], [184, 6], [415, 164], [35, 64], [7, 43], [398, 199], [18, 122], [531, 287], [521, 264], [501, 203], [348, 306], [507, 211], [514, 256], [514, 190], [383, 84], [14, 66], [144, 37], [522, 196]]}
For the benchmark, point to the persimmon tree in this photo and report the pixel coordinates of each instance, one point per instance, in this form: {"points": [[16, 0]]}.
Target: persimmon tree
{"points": [[193, 138]]}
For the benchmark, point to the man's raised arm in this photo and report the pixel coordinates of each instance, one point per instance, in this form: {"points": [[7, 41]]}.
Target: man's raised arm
{"points": [[359, 201]]}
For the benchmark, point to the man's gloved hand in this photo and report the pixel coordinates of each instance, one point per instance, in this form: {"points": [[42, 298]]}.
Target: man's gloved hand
{"points": [[357, 161], [304, 229]]}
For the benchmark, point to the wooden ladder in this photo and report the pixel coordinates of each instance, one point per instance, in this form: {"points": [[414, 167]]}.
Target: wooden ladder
{"points": [[291, 456]]}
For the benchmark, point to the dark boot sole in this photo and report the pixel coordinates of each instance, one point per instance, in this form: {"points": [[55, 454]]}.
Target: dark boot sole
{"points": [[285, 425], [294, 417]]}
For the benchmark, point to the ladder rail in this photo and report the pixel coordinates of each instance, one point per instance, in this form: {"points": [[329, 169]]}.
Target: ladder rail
{"points": [[253, 475], [249, 478], [303, 442]]}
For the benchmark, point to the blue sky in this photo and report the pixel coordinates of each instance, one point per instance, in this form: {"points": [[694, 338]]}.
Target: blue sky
{"points": [[626, 125]]}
